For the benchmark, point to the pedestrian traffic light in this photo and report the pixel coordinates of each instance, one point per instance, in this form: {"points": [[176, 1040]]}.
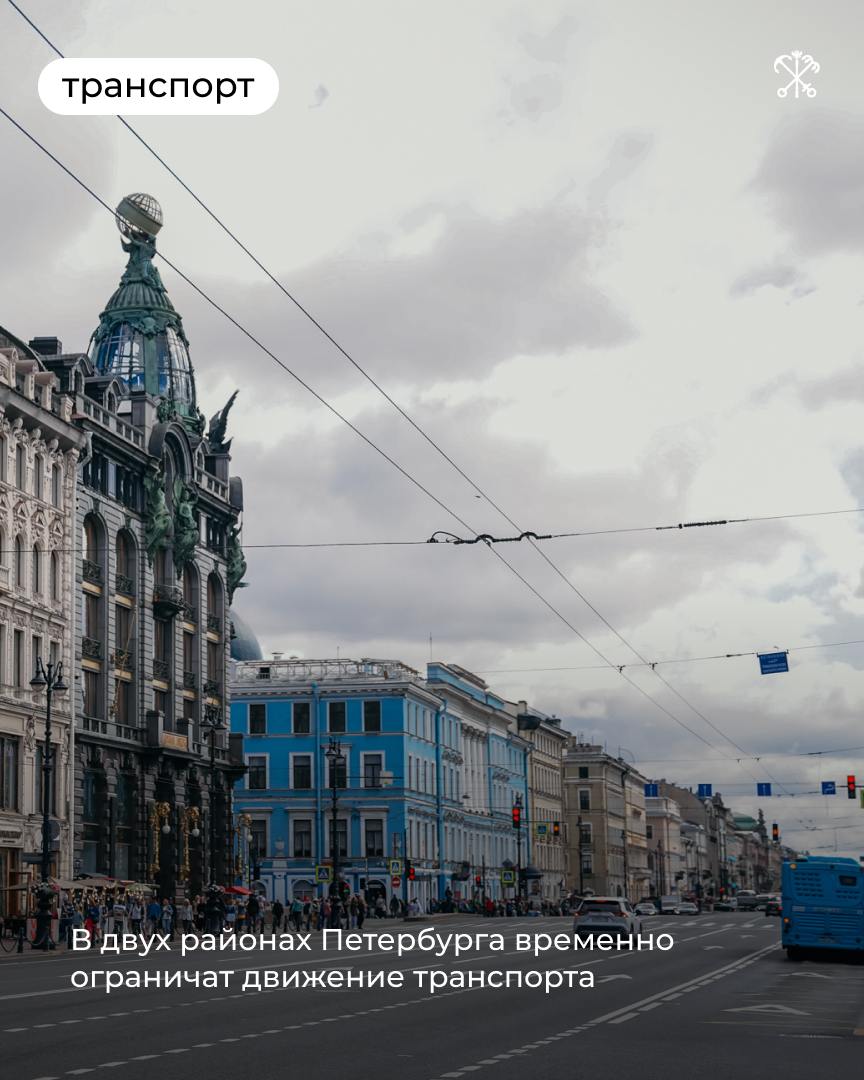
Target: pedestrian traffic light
{"points": [[556, 828], [850, 786], [775, 832], [478, 880], [517, 816], [409, 871]]}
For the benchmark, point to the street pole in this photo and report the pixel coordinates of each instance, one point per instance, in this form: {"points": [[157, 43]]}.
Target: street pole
{"points": [[581, 869], [213, 722], [334, 755], [50, 679]]}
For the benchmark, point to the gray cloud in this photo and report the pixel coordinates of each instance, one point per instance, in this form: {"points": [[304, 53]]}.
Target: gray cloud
{"points": [[813, 175], [782, 276]]}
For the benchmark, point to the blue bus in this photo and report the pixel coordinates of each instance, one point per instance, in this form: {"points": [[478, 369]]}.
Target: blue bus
{"points": [[823, 905]]}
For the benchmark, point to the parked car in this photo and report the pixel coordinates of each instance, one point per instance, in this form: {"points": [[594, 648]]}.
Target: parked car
{"points": [[746, 900], [686, 908], [762, 901], [726, 903], [645, 907], [606, 915], [774, 906]]}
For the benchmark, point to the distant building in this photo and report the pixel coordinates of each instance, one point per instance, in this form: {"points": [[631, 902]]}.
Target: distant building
{"points": [[39, 451], [545, 819], [665, 847], [604, 800]]}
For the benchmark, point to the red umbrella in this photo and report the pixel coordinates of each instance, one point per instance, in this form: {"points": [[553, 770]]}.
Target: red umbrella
{"points": [[238, 890]]}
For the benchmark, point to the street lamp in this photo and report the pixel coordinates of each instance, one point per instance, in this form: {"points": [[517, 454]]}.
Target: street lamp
{"points": [[517, 820], [50, 679], [335, 758], [213, 723]]}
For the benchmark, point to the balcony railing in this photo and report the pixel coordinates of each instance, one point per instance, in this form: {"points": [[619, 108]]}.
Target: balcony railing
{"points": [[161, 670], [214, 623], [190, 680], [167, 601], [124, 585], [122, 659], [92, 572], [190, 613], [91, 648], [4, 578], [212, 688]]}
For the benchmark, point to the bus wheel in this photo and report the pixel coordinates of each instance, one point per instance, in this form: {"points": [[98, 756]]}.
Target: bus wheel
{"points": [[793, 952]]}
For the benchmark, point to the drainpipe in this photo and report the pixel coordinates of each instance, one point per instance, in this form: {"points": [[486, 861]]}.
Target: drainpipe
{"points": [[439, 805]]}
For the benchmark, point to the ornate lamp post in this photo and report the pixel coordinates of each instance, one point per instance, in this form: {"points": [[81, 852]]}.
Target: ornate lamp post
{"points": [[335, 757], [50, 679], [213, 723]]}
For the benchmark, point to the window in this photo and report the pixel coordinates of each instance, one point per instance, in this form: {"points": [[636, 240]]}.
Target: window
{"points": [[92, 697], [123, 621], [258, 839], [54, 576], [38, 475], [35, 650], [341, 838], [19, 562], [36, 570], [18, 658], [123, 698], [56, 485], [649, 832], [20, 467], [302, 771], [372, 765], [374, 839], [8, 773], [588, 864], [584, 799], [4, 454], [256, 778], [583, 772], [40, 776], [303, 838], [160, 704], [587, 832], [336, 716], [337, 775], [300, 718], [258, 719], [371, 715]]}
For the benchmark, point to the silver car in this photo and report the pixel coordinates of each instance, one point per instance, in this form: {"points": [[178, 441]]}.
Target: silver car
{"points": [[606, 915]]}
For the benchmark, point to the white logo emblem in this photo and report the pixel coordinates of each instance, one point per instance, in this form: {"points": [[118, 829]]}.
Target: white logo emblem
{"points": [[796, 65]]}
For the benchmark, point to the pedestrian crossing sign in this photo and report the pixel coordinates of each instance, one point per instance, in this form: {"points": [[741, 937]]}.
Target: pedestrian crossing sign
{"points": [[508, 877], [541, 828], [323, 875], [395, 867]]}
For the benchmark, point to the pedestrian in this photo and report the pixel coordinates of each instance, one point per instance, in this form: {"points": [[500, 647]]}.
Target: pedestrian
{"points": [[253, 911], [186, 915], [154, 916], [135, 915], [381, 908], [168, 918], [296, 912], [394, 906], [277, 911]]}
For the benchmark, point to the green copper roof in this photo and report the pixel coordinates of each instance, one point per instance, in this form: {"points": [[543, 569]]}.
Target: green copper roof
{"points": [[140, 338]]}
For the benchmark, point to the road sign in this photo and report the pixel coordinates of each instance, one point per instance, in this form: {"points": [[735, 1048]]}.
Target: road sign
{"points": [[396, 881], [508, 877], [323, 874], [395, 867], [706, 791], [763, 789], [829, 787], [652, 791], [773, 663], [541, 828]]}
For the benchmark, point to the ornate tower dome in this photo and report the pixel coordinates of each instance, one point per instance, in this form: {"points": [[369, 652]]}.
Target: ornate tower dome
{"points": [[140, 338]]}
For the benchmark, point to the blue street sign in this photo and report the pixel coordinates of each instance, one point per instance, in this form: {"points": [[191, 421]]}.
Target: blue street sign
{"points": [[706, 791], [829, 787], [763, 789], [773, 663], [652, 791]]}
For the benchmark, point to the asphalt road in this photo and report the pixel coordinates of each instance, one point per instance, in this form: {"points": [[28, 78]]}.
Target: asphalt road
{"points": [[723, 1003]]}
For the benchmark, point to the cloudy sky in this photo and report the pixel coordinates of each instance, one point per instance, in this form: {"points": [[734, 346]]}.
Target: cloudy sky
{"points": [[598, 260]]}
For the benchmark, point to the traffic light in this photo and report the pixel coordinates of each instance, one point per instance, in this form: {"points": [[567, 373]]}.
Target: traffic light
{"points": [[556, 828], [850, 786], [775, 833], [478, 881], [517, 816], [409, 871]]}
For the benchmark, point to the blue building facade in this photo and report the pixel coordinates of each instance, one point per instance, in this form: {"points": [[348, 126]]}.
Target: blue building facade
{"points": [[431, 768]]}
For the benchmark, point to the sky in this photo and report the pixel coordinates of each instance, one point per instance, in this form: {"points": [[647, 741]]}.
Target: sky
{"points": [[596, 258]]}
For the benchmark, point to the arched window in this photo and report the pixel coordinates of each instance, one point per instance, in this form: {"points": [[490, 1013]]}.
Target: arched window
{"points": [[19, 562], [56, 485], [126, 563], [54, 576], [38, 475], [36, 570], [190, 592], [20, 467], [215, 614], [93, 550], [4, 550], [4, 453]]}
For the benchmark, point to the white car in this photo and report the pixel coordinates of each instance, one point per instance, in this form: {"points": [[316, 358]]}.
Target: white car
{"points": [[687, 909], [606, 915], [646, 908]]}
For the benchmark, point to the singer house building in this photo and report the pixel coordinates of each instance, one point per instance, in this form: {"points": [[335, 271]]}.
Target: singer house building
{"points": [[157, 560]]}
